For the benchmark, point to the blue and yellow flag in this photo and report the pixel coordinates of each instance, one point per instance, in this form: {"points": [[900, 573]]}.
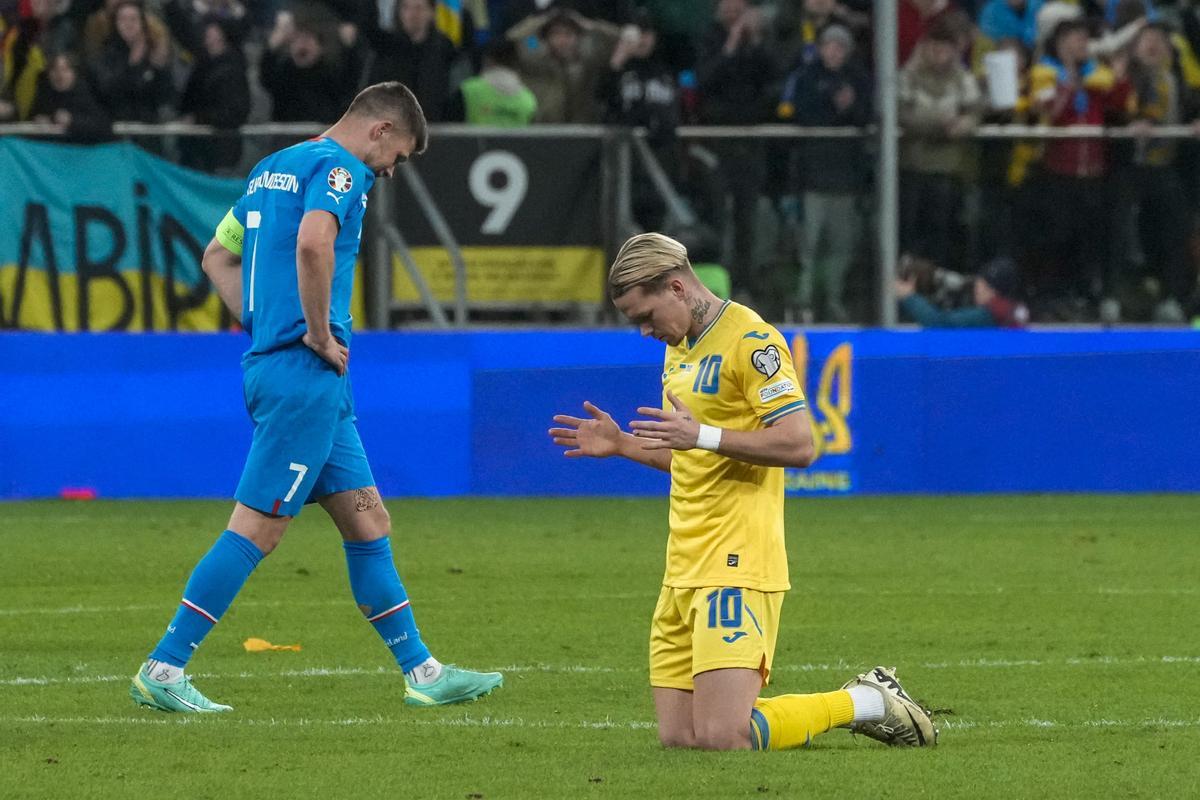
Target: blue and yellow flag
{"points": [[449, 20]]}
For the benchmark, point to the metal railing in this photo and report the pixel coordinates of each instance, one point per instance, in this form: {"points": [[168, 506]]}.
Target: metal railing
{"points": [[687, 132], [630, 148]]}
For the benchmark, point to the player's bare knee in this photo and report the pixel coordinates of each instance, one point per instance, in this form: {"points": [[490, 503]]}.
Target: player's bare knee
{"points": [[371, 512], [265, 530], [369, 528], [722, 737], [374, 523], [379, 520]]}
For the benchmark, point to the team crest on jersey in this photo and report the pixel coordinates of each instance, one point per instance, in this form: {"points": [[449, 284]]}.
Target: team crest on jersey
{"points": [[767, 361], [340, 179]]}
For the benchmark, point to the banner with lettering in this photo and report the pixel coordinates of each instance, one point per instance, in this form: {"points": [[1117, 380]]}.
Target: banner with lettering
{"points": [[106, 237]]}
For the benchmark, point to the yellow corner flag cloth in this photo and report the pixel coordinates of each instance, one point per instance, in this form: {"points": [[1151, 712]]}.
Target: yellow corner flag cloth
{"points": [[254, 645]]}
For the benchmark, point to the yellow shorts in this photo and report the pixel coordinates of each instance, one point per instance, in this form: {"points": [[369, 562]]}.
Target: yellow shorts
{"points": [[697, 630]]}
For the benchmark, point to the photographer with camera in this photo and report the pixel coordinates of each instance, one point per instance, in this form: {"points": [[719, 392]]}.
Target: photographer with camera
{"points": [[925, 290]]}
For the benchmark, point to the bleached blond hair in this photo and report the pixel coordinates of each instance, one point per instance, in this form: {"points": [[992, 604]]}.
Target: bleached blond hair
{"points": [[646, 260]]}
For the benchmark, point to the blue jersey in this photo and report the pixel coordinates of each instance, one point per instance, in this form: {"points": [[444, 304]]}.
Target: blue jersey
{"points": [[315, 175]]}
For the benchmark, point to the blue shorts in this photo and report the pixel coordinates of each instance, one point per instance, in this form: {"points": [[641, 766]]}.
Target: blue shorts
{"points": [[306, 445]]}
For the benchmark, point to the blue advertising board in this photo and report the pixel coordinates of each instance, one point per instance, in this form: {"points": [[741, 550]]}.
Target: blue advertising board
{"points": [[467, 413]]}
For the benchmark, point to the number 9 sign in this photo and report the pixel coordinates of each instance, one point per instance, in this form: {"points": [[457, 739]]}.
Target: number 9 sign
{"points": [[504, 200]]}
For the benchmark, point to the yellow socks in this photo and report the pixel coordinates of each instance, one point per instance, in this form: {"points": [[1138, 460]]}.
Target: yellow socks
{"points": [[792, 720]]}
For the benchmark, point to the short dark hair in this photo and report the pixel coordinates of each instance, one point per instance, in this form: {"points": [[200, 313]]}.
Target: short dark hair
{"points": [[559, 19], [1068, 26], [393, 100], [943, 29], [502, 52], [1127, 11]]}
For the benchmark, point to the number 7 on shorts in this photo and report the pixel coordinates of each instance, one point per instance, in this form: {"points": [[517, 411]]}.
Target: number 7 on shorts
{"points": [[301, 471]]}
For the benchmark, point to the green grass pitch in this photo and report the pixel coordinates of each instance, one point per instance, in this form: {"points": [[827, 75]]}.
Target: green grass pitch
{"points": [[1059, 632]]}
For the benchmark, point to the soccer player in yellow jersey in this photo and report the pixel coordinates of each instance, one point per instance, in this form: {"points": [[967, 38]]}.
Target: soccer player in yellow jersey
{"points": [[733, 415]]}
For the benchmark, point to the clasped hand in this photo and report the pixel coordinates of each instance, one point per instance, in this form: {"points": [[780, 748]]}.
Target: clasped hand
{"points": [[675, 429], [600, 436]]}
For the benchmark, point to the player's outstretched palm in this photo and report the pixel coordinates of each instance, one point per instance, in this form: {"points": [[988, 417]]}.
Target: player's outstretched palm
{"points": [[598, 437]]}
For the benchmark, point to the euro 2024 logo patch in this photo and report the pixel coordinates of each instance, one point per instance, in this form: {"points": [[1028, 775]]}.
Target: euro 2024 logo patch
{"points": [[767, 361], [340, 180]]}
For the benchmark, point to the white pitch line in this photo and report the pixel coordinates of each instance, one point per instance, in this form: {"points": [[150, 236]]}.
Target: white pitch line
{"points": [[521, 723], [1159, 722], [1059, 518], [451, 722], [347, 602], [841, 666], [164, 607], [1000, 663], [309, 672]]}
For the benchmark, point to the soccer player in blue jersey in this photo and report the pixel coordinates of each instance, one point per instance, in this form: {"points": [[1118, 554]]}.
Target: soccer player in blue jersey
{"points": [[283, 261]]}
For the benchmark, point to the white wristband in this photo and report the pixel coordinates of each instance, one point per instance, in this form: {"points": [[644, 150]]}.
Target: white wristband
{"points": [[709, 438]]}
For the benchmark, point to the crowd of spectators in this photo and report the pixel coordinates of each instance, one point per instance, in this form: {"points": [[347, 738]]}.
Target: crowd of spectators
{"points": [[1082, 220]]}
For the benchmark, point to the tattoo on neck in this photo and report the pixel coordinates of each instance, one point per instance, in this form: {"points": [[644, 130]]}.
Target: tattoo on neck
{"points": [[700, 310]]}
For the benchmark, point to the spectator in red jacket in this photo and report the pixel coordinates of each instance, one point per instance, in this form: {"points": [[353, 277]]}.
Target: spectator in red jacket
{"points": [[1075, 205]]}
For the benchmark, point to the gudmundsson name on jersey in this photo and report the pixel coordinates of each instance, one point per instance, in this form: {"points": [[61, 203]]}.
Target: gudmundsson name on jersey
{"points": [[282, 181]]}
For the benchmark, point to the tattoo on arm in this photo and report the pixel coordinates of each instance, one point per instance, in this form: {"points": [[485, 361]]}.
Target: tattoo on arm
{"points": [[366, 499]]}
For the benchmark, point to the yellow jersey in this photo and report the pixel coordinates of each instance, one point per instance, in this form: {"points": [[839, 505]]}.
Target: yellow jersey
{"points": [[726, 520]]}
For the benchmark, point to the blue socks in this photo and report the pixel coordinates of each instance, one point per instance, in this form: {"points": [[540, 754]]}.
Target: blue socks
{"points": [[383, 601], [214, 583], [219, 576]]}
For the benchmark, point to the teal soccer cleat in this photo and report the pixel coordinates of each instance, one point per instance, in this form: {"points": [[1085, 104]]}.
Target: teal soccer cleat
{"points": [[180, 696], [454, 685]]}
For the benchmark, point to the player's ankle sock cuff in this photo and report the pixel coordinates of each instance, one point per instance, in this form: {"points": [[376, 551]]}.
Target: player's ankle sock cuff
{"points": [[867, 704], [426, 671]]}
